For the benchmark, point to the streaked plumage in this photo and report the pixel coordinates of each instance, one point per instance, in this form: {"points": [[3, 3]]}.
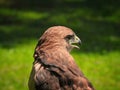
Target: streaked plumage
{"points": [[53, 67]]}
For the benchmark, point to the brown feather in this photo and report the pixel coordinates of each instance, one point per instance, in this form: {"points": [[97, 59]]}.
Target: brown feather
{"points": [[54, 68]]}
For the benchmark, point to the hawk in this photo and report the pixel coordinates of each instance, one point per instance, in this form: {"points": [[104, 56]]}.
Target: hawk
{"points": [[53, 67]]}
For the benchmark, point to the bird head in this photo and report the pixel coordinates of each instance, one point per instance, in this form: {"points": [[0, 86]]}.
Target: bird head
{"points": [[61, 37]]}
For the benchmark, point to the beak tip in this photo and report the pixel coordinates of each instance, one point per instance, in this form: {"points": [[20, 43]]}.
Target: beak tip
{"points": [[80, 43]]}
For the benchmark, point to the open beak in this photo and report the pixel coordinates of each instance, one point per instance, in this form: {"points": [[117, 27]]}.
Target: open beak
{"points": [[76, 42]]}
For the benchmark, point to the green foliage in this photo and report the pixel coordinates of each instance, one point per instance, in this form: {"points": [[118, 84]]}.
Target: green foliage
{"points": [[16, 62], [95, 22], [101, 69]]}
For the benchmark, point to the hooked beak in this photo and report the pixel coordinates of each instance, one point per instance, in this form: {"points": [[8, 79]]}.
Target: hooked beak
{"points": [[76, 42]]}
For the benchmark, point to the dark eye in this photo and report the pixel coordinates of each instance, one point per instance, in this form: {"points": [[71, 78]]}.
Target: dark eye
{"points": [[68, 37]]}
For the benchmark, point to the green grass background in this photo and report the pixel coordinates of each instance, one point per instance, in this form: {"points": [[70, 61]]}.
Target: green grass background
{"points": [[97, 23]]}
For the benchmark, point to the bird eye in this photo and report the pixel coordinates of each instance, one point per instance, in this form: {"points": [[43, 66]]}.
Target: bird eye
{"points": [[69, 37]]}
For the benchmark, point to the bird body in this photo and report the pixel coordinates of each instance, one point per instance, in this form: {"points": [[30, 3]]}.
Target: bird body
{"points": [[54, 68]]}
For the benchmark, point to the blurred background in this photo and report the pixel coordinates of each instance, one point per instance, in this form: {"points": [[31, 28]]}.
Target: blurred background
{"points": [[96, 22]]}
